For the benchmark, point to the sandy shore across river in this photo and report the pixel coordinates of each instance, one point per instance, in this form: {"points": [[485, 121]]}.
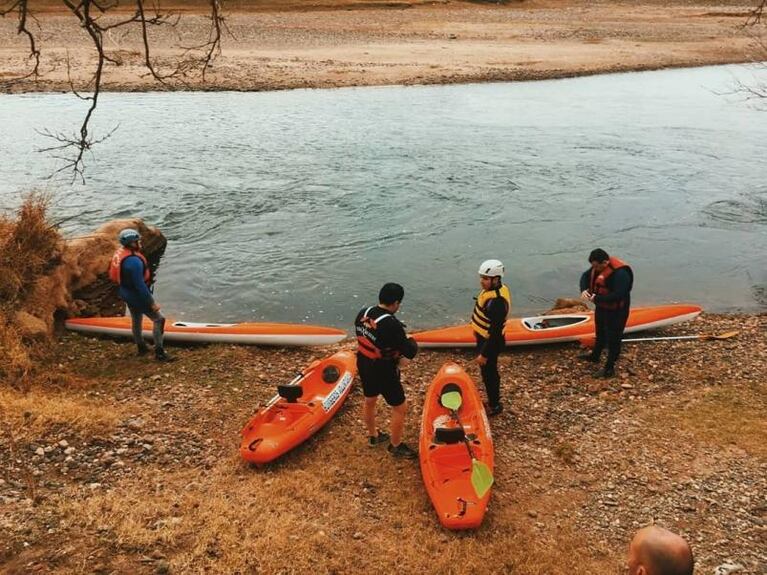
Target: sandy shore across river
{"points": [[330, 43]]}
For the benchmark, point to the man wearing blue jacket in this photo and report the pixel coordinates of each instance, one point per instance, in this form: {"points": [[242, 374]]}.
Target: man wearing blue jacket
{"points": [[130, 270]]}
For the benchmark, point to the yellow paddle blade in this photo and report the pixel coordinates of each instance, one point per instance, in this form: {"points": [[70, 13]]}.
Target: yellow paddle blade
{"points": [[451, 400], [481, 477], [725, 335]]}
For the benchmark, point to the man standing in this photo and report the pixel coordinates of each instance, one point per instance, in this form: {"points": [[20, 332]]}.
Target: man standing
{"points": [[607, 284], [130, 270], [382, 347], [488, 320], [657, 551]]}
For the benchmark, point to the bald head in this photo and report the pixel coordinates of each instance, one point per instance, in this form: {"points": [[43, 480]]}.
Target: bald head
{"points": [[657, 551]]}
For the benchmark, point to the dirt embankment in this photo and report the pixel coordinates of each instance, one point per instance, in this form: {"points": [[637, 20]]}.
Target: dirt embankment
{"points": [[290, 44], [130, 466]]}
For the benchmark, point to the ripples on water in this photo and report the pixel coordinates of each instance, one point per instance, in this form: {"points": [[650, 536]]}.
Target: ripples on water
{"points": [[297, 206]]}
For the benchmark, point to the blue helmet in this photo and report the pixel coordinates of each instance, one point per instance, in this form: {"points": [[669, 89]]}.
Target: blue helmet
{"points": [[128, 236]]}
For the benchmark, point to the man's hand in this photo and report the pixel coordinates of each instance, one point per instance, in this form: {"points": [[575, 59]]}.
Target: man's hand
{"points": [[155, 307], [481, 360], [403, 361], [586, 295]]}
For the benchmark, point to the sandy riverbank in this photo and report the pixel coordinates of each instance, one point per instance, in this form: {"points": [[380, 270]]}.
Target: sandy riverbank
{"points": [[289, 44], [122, 465]]}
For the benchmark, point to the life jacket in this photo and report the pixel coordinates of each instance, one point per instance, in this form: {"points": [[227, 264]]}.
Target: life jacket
{"points": [[115, 266], [480, 323], [366, 329], [598, 282]]}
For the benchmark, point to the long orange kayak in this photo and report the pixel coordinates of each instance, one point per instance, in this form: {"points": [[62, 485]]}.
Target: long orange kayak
{"points": [[446, 463], [243, 333], [559, 328], [299, 409]]}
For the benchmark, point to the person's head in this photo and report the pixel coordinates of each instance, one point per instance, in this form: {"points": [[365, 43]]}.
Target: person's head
{"points": [[130, 239], [490, 274], [657, 551], [390, 296], [599, 259]]}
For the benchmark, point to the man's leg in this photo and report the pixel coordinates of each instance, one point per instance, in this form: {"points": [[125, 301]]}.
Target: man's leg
{"points": [[492, 380], [398, 414], [158, 332], [600, 321], [136, 326], [369, 415], [394, 394], [617, 323]]}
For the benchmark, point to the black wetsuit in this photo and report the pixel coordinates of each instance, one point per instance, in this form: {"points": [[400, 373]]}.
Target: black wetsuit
{"points": [[496, 310], [612, 312]]}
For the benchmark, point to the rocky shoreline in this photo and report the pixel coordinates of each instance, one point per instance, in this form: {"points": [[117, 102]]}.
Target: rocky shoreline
{"points": [[124, 465]]}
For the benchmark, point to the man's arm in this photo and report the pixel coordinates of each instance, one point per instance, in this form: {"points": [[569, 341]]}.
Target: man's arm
{"points": [[394, 337], [621, 283], [585, 280]]}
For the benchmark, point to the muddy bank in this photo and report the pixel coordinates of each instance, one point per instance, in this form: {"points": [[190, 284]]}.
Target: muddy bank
{"points": [[281, 45], [129, 466]]}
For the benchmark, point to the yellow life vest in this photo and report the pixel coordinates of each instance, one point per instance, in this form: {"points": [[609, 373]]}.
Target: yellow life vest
{"points": [[480, 323]]}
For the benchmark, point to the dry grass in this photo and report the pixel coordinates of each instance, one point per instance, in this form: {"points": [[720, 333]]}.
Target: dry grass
{"points": [[724, 417], [30, 247], [32, 414], [234, 519]]}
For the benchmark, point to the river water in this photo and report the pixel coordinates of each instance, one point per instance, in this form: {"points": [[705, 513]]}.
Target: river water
{"points": [[298, 205]]}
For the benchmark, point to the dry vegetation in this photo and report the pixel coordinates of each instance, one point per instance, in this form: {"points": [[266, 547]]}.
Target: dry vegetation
{"points": [[133, 466], [30, 247]]}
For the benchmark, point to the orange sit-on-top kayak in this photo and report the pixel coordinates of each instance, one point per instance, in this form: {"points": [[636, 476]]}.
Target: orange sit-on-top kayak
{"points": [[559, 328], [242, 333], [299, 409], [452, 443]]}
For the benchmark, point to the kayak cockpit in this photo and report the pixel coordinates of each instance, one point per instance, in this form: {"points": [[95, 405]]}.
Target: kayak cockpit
{"points": [[545, 322]]}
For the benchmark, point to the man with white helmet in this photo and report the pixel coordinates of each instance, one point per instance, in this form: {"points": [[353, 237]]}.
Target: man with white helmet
{"points": [[129, 269], [488, 320]]}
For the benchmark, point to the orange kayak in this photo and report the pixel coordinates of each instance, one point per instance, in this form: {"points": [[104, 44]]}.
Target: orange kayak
{"points": [[446, 465], [559, 328], [244, 333], [299, 409]]}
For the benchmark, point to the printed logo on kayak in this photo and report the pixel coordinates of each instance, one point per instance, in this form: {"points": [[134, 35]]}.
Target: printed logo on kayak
{"points": [[337, 392]]}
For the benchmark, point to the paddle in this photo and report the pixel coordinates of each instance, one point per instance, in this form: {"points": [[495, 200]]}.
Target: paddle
{"points": [[481, 476], [703, 336]]}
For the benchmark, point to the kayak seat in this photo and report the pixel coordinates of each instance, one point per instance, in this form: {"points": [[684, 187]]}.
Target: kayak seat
{"points": [[290, 392], [449, 435], [331, 374], [448, 387]]}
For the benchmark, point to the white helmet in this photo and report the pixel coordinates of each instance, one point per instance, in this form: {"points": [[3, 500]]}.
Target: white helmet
{"points": [[491, 268]]}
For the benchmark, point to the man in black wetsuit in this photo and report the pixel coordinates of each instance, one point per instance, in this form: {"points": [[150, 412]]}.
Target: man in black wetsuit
{"points": [[607, 284], [488, 320], [382, 347]]}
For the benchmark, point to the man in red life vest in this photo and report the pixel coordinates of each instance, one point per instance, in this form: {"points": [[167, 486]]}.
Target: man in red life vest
{"points": [[488, 320], [607, 284], [130, 270], [383, 346]]}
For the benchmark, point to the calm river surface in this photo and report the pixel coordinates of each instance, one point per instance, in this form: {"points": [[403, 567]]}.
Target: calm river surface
{"points": [[298, 205]]}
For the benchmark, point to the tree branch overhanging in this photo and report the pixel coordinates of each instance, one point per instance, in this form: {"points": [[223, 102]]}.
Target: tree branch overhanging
{"points": [[95, 19]]}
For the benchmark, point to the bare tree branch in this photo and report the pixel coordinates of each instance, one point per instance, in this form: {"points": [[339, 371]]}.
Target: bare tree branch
{"points": [[94, 17], [22, 8], [755, 14]]}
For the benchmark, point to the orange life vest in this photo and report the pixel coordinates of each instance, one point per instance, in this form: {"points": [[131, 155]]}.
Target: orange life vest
{"points": [[598, 282], [366, 329], [115, 266]]}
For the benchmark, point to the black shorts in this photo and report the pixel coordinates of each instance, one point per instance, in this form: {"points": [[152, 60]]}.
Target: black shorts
{"points": [[381, 378]]}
